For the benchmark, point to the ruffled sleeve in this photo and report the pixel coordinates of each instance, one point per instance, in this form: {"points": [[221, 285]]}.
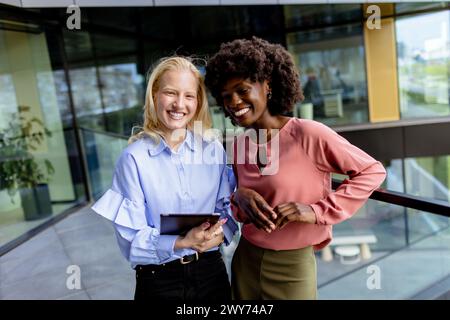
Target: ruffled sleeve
{"points": [[124, 204], [120, 210]]}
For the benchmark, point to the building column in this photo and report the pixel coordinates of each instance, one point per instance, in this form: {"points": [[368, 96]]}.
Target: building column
{"points": [[381, 64]]}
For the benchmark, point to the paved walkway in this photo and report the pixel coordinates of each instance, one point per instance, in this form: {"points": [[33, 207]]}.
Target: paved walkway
{"points": [[41, 267], [38, 269]]}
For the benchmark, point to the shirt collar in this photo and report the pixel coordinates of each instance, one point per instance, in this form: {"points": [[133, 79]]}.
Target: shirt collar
{"points": [[155, 149]]}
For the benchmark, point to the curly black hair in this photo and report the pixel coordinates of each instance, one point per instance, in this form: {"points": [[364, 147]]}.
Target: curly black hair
{"points": [[257, 60]]}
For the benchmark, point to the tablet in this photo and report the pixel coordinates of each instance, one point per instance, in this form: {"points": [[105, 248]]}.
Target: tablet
{"points": [[181, 223]]}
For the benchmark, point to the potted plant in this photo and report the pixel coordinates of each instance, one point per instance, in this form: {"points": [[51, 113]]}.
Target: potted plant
{"points": [[19, 169]]}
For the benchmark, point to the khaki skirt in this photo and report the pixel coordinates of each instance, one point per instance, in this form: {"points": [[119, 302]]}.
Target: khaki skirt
{"points": [[259, 273]]}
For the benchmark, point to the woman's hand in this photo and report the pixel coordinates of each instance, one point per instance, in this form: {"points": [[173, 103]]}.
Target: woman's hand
{"points": [[214, 242], [255, 208], [294, 212], [203, 237]]}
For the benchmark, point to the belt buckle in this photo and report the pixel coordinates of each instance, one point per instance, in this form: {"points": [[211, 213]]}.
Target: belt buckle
{"points": [[189, 261]]}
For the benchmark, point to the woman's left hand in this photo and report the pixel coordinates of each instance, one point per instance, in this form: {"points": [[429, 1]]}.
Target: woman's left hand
{"points": [[294, 212], [216, 239]]}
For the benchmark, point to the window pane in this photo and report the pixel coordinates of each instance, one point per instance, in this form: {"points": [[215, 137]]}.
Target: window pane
{"points": [[39, 164], [423, 65], [303, 16], [333, 76], [428, 177]]}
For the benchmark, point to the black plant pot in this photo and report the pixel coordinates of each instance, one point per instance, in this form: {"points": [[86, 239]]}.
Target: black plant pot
{"points": [[36, 202]]}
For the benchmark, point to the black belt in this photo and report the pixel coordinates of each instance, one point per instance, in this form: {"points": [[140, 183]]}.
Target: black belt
{"points": [[182, 261]]}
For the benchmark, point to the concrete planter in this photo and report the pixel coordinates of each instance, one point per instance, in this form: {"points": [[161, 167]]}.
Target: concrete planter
{"points": [[36, 202]]}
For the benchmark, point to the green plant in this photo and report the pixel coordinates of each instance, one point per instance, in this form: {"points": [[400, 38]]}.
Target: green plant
{"points": [[18, 166]]}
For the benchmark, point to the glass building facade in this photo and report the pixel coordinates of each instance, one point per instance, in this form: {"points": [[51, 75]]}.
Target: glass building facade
{"points": [[423, 65], [78, 93]]}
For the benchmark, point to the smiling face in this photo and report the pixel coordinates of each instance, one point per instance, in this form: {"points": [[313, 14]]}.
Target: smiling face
{"points": [[246, 101], [176, 100]]}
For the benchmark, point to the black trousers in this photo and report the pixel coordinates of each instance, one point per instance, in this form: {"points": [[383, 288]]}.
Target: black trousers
{"points": [[203, 280]]}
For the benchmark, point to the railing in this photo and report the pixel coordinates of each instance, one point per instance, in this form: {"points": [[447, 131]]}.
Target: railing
{"points": [[409, 201], [411, 250], [397, 198]]}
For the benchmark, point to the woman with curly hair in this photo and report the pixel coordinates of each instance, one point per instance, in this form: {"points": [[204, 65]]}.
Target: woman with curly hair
{"points": [[287, 213]]}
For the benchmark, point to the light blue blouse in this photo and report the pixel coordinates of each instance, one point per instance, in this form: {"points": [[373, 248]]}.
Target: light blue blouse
{"points": [[151, 179]]}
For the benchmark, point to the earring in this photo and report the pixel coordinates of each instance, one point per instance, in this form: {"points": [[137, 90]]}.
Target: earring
{"points": [[269, 95]]}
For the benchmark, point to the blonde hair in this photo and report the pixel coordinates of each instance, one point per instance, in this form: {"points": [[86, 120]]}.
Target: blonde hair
{"points": [[152, 126]]}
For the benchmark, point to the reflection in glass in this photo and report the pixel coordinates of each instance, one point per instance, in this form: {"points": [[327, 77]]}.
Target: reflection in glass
{"points": [[419, 6], [423, 64], [385, 221], [123, 94], [108, 89], [394, 179], [29, 93], [62, 95], [86, 97], [403, 273], [312, 15], [396, 226], [404, 240], [333, 76], [102, 152], [119, 86], [428, 177], [423, 224]]}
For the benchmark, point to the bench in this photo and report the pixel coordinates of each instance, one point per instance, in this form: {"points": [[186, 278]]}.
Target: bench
{"points": [[363, 240]]}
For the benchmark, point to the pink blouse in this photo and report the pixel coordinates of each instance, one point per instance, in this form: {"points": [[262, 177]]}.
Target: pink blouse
{"points": [[301, 172]]}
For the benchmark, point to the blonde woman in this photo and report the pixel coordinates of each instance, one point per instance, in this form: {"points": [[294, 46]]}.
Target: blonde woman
{"points": [[162, 171]]}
